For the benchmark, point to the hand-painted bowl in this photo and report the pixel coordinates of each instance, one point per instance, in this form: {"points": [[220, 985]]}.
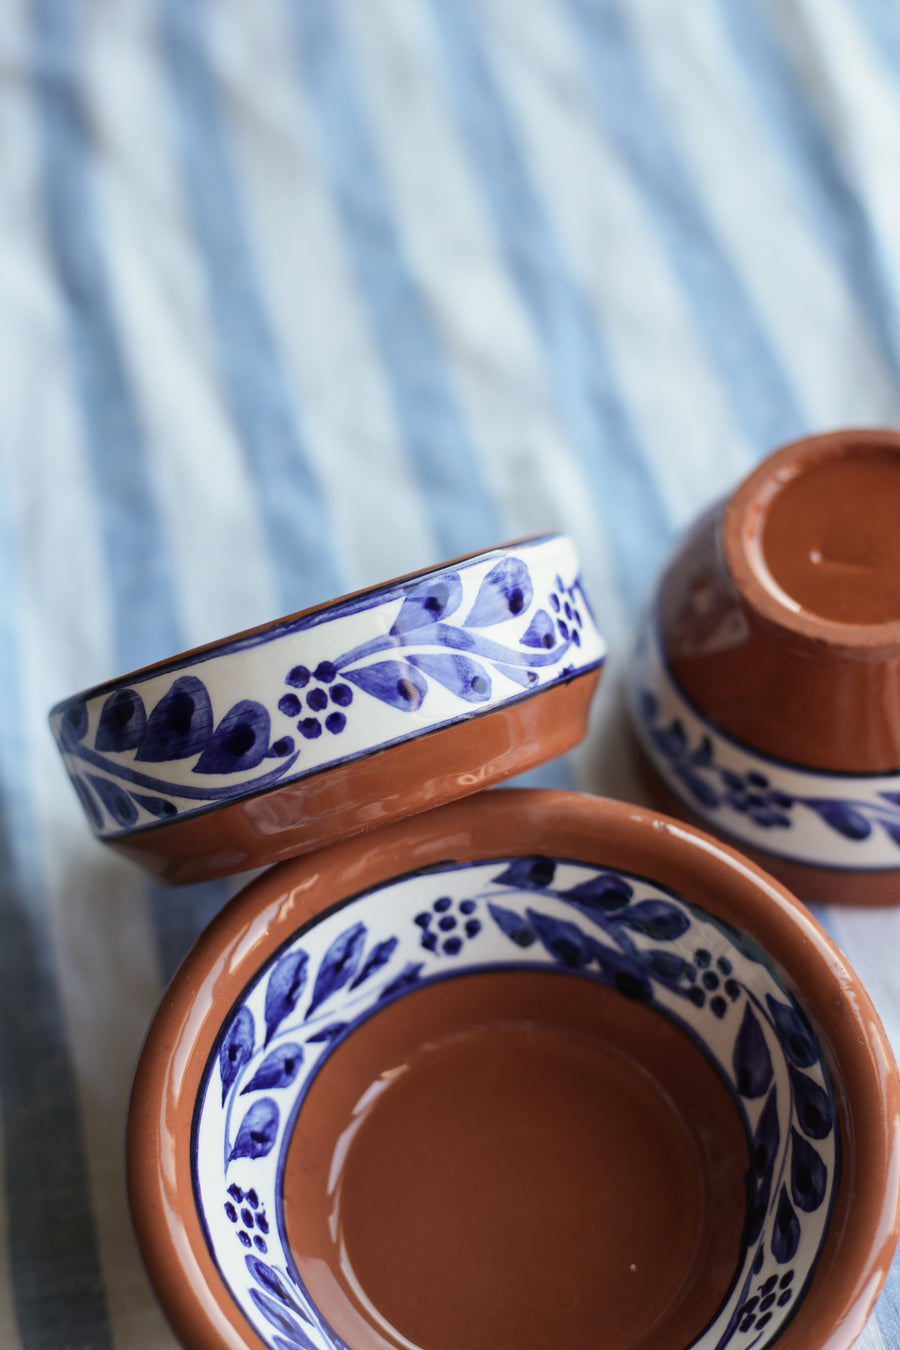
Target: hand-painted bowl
{"points": [[341, 718], [766, 687], [531, 1069]]}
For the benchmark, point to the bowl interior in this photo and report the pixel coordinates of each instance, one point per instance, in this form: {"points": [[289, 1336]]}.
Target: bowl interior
{"points": [[516, 1101]]}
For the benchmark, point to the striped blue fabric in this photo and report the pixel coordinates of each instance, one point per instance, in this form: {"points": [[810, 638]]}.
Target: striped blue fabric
{"points": [[300, 295]]}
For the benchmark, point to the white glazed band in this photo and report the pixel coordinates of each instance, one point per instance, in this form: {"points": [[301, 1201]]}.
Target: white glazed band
{"points": [[307, 694], [841, 821]]}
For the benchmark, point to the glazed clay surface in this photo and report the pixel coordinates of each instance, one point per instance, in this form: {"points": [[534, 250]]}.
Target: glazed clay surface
{"points": [[251, 932], [829, 538], [778, 622], [491, 1138]]}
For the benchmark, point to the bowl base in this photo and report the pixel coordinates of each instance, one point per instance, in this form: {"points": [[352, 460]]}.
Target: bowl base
{"points": [[509, 1159]]}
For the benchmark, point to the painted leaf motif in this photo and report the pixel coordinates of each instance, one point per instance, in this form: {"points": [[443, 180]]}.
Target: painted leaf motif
{"points": [[766, 1138], [794, 1033], [464, 677], [339, 964], [88, 801], [786, 1233], [116, 800], [512, 925], [623, 972], [74, 723], [329, 1033], [286, 984], [157, 806], [180, 725], [813, 1106], [428, 602], [809, 1175], [282, 1319], [239, 742], [606, 892], [505, 591], [841, 816], [396, 683], [236, 1048], [257, 1132], [272, 1283], [656, 919], [564, 941], [298, 1340], [698, 787], [751, 1060], [756, 1218], [541, 632], [123, 722], [379, 956], [278, 1069], [528, 874], [408, 976], [669, 966]]}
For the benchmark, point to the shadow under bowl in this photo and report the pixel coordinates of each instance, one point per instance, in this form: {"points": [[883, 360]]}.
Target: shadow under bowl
{"points": [[533, 1068]]}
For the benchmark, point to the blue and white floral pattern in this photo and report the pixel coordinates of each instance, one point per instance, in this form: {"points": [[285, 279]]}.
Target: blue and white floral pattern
{"points": [[305, 695], [822, 819], [532, 913]]}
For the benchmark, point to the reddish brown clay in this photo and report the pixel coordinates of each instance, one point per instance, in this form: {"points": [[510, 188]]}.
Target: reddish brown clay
{"points": [[412, 776], [779, 617], [535, 1133], [864, 1224]]}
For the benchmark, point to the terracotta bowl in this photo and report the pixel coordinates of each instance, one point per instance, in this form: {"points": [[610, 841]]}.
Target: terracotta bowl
{"points": [[530, 1069], [338, 719], [766, 687]]}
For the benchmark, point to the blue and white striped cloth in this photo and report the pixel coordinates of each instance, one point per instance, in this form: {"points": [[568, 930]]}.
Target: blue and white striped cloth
{"points": [[302, 294]]}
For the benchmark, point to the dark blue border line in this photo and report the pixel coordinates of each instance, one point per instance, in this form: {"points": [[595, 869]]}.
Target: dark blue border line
{"points": [[370, 598], [243, 795], [437, 869]]}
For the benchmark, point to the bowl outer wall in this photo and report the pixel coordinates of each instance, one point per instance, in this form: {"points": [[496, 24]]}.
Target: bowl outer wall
{"points": [[866, 1219], [440, 765]]}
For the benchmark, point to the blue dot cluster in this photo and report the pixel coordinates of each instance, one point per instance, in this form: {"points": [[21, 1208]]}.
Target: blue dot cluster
{"points": [[756, 1313], [713, 979], [568, 616], [446, 931], [243, 1208], [322, 690], [753, 795]]}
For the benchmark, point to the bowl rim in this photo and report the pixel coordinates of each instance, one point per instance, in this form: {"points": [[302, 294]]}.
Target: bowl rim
{"points": [[511, 823], [741, 524], [365, 597]]}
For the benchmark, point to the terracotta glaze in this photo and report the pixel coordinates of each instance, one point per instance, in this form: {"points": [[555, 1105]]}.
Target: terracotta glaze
{"points": [[392, 700], [777, 625], [828, 537], [491, 1138], [516, 1038]]}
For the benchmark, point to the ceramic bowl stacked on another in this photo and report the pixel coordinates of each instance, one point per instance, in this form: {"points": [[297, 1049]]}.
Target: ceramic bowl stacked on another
{"points": [[524, 1068], [764, 690], [340, 718]]}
